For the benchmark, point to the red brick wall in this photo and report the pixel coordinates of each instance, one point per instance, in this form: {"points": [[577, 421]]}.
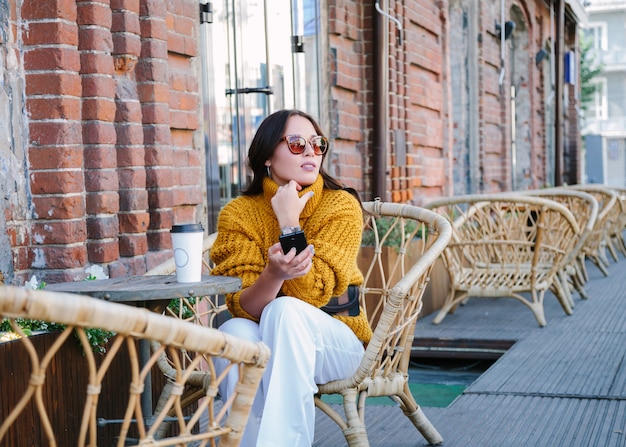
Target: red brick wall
{"points": [[420, 111], [112, 101], [416, 106], [351, 80]]}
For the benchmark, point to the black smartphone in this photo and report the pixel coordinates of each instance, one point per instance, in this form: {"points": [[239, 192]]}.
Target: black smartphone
{"points": [[297, 239]]}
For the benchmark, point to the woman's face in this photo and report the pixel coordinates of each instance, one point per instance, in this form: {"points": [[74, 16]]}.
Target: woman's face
{"points": [[303, 168]]}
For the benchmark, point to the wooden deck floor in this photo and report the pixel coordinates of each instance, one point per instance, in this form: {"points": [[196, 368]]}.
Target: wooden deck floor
{"points": [[561, 385]]}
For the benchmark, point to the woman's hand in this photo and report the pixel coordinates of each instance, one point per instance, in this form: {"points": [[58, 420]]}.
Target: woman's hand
{"points": [[287, 205], [289, 265], [279, 268]]}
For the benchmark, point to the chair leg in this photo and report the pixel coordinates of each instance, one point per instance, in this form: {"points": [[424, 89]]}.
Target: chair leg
{"points": [[598, 262], [355, 433], [413, 411], [450, 305], [560, 288], [578, 280], [563, 281], [621, 242], [618, 243], [536, 306], [583, 268], [580, 287], [421, 422], [602, 255], [612, 249]]}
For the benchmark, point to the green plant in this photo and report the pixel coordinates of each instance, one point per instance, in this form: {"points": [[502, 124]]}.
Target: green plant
{"points": [[30, 326], [394, 236], [589, 69], [98, 338], [182, 308]]}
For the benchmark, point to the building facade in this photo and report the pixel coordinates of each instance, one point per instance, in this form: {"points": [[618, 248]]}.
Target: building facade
{"points": [[605, 117], [123, 117]]}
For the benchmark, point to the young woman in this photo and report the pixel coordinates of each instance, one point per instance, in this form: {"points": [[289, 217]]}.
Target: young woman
{"points": [[291, 199]]}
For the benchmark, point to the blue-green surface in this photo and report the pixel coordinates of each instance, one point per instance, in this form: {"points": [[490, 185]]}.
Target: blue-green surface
{"points": [[426, 394], [432, 385]]}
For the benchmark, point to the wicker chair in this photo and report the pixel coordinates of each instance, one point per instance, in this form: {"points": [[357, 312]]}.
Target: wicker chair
{"points": [[129, 325], [392, 295], [584, 207], [506, 245], [607, 224]]}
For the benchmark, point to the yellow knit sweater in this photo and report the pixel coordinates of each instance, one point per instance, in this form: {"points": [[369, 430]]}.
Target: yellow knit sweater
{"points": [[333, 223]]}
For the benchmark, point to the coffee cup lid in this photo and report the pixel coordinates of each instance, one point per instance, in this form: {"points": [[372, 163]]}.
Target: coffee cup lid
{"points": [[187, 228]]}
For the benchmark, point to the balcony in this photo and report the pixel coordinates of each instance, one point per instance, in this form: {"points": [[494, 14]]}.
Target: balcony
{"points": [[610, 127], [613, 60]]}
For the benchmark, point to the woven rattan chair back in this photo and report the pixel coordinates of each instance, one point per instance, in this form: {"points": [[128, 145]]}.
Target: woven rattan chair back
{"points": [[129, 325], [584, 208], [506, 245]]}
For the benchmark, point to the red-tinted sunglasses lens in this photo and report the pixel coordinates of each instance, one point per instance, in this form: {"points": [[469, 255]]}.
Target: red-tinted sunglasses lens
{"points": [[297, 144]]}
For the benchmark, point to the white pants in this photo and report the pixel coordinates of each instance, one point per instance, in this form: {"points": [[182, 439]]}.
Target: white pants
{"points": [[308, 347]]}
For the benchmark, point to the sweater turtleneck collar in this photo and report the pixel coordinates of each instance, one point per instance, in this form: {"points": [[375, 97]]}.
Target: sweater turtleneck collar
{"points": [[270, 187]]}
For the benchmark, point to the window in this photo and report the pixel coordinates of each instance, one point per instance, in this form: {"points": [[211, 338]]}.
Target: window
{"points": [[598, 34], [598, 107]]}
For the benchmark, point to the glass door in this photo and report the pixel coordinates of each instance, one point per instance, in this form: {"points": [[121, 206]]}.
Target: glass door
{"points": [[259, 56]]}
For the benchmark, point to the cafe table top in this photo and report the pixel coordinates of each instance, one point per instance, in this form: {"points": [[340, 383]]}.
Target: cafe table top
{"points": [[135, 289]]}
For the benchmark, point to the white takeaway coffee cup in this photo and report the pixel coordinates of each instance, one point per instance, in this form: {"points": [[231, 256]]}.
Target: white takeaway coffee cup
{"points": [[187, 245]]}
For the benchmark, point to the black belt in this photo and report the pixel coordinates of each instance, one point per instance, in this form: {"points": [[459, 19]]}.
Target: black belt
{"points": [[347, 301]]}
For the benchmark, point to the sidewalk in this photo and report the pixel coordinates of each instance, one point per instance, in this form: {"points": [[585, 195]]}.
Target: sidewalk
{"points": [[561, 385]]}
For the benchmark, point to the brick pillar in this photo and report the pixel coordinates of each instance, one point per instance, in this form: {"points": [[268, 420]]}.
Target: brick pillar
{"points": [[152, 86], [350, 90], [133, 215], [98, 112], [182, 20], [55, 154]]}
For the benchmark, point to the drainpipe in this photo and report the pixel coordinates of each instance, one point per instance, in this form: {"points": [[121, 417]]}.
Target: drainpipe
{"points": [[381, 105], [380, 116], [502, 43], [448, 140], [558, 110]]}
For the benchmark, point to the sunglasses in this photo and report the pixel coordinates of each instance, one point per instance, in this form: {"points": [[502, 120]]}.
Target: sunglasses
{"points": [[297, 144]]}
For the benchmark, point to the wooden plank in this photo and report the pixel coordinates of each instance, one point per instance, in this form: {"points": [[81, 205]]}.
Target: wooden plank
{"points": [[530, 421]]}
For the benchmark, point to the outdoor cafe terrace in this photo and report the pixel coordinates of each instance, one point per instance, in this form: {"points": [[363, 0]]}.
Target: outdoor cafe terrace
{"points": [[550, 373]]}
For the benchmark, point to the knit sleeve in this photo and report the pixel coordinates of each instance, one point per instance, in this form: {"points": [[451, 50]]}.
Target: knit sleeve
{"points": [[238, 251]]}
